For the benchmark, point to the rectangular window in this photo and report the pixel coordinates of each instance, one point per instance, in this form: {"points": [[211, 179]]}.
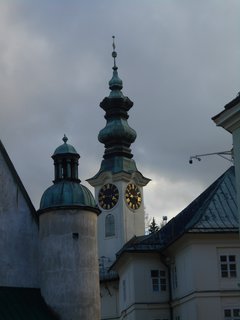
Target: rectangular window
{"points": [[163, 281], [159, 280], [232, 314], [228, 266]]}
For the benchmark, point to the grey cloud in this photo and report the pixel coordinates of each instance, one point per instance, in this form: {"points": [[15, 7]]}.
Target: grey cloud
{"points": [[179, 62]]}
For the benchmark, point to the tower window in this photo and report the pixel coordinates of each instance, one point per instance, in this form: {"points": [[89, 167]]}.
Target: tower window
{"points": [[109, 226]]}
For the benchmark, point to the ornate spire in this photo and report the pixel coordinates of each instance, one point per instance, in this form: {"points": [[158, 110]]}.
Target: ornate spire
{"points": [[115, 84], [117, 136]]}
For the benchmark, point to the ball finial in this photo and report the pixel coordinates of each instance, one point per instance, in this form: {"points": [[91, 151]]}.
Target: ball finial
{"points": [[65, 139]]}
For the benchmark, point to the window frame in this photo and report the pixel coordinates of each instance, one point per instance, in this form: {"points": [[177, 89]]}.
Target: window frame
{"points": [[234, 313], [158, 280], [228, 266]]}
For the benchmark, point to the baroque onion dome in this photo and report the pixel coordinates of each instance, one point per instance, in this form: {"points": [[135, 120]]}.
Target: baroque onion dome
{"points": [[117, 136], [66, 190]]}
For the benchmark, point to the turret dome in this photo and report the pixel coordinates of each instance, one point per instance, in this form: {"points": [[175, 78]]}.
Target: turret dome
{"points": [[65, 148], [66, 190], [66, 193]]}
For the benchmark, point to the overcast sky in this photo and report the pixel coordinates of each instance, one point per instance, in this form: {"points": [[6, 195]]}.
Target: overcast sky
{"points": [[179, 61]]}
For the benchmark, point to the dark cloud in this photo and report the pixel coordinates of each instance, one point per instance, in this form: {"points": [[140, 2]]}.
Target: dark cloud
{"points": [[179, 62]]}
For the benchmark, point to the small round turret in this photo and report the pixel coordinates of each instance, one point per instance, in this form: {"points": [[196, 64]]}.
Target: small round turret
{"points": [[69, 277]]}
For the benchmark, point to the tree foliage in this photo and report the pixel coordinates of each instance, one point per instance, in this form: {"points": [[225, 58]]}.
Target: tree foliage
{"points": [[153, 227]]}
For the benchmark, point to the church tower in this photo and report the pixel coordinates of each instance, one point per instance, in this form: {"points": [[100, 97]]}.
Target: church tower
{"points": [[69, 276], [118, 184]]}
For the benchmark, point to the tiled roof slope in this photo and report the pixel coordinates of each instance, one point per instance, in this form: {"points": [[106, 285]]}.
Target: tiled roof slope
{"points": [[215, 210], [148, 243], [23, 304]]}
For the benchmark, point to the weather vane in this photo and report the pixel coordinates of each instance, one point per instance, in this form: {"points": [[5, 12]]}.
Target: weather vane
{"points": [[114, 53]]}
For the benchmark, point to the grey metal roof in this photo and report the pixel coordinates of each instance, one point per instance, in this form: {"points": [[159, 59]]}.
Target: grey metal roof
{"points": [[213, 211], [221, 209]]}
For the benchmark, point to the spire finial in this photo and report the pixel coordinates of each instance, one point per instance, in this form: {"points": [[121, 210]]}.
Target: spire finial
{"points": [[114, 53], [115, 84], [65, 138]]}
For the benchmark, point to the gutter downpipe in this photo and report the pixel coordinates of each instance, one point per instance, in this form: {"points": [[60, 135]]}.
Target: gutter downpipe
{"points": [[170, 292], [166, 262]]}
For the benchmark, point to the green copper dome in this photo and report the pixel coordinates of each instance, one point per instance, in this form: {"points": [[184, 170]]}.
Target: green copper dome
{"points": [[67, 193], [65, 148], [117, 129]]}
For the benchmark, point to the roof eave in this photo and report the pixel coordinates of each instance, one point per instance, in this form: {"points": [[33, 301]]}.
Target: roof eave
{"points": [[229, 118]]}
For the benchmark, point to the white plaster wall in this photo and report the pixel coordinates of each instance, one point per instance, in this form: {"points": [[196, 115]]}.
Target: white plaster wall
{"points": [[207, 275], [142, 283], [69, 265], [183, 259], [198, 267], [126, 274], [148, 312], [188, 310], [200, 286], [141, 302], [18, 235], [109, 300], [231, 302], [206, 267], [209, 308], [202, 307]]}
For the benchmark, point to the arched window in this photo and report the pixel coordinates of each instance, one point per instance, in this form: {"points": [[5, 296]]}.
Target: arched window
{"points": [[109, 226]]}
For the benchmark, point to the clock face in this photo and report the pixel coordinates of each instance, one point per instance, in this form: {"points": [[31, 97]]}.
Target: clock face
{"points": [[108, 196], [133, 196]]}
